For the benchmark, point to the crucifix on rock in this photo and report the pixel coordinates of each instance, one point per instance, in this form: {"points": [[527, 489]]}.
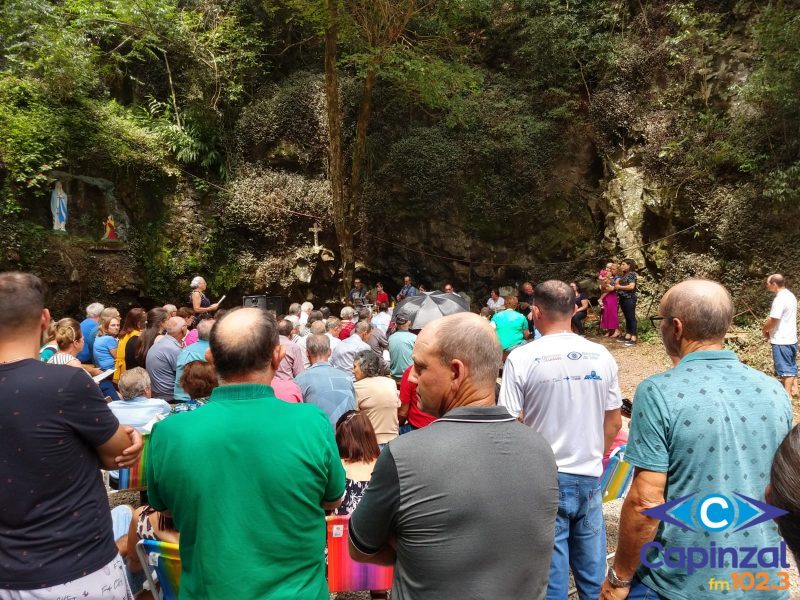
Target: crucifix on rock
{"points": [[315, 230]]}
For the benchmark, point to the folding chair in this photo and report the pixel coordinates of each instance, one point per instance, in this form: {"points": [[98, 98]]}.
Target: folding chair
{"points": [[162, 567], [617, 476], [345, 574], [134, 478]]}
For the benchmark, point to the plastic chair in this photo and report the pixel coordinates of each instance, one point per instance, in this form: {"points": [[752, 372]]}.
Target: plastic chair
{"points": [[134, 478], [345, 574], [162, 567], [617, 476]]}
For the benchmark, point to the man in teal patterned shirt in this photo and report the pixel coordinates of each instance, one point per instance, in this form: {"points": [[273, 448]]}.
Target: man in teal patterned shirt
{"points": [[707, 428]]}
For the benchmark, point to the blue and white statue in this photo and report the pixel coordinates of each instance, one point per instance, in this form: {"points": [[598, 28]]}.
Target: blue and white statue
{"points": [[58, 206]]}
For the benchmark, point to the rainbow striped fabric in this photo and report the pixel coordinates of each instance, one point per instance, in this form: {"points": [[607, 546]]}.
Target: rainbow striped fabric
{"points": [[617, 476], [133, 478], [345, 574], [167, 564]]}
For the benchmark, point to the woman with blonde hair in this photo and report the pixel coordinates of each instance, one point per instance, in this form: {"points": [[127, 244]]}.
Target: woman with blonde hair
{"points": [[69, 339], [49, 346]]}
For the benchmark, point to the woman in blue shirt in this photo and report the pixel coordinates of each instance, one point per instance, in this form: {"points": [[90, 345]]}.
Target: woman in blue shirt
{"points": [[105, 345]]}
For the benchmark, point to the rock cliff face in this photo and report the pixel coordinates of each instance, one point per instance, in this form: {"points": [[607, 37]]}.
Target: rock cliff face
{"points": [[653, 165]]}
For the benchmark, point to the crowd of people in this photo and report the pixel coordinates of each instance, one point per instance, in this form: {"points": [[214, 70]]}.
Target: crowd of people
{"points": [[468, 453]]}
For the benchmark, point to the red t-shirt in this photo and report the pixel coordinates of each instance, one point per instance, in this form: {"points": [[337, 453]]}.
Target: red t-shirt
{"points": [[381, 297], [408, 395], [347, 329]]}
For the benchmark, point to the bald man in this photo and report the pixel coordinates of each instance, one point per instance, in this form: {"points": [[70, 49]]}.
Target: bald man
{"points": [[706, 428], [162, 359], [466, 507], [247, 472]]}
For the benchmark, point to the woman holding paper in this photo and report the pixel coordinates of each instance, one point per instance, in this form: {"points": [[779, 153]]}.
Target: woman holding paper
{"points": [[200, 303]]}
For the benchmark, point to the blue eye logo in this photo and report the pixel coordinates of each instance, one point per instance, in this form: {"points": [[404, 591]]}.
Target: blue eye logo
{"points": [[715, 512], [574, 355]]}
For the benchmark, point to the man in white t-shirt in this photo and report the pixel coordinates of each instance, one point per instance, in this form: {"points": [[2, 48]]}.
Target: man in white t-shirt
{"points": [[781, 328], [566, 388]]}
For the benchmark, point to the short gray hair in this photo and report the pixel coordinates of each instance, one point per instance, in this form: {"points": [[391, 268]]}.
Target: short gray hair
{"points": [[369, 363], [777, 279], [347, 312], [317, 328], [318, 345], [170, 308], [204, 329], [332, 323], [467, 338], [363, 327], [294, 308], [133, 383], [364, 313], [196, 282], [94, 309], [306, 306], [554, 298], [704, 307]]}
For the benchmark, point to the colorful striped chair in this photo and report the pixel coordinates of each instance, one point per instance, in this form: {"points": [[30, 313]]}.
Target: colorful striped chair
{"points": [[133, 478], [345, 574], [162, 563], [617, 476]]}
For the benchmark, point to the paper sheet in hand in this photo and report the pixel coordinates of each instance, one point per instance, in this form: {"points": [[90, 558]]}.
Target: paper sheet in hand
{"points": [[103, 375]]}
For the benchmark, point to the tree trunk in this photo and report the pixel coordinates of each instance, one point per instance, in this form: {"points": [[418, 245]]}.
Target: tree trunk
{"points": [[359, 149], [341, 217]]}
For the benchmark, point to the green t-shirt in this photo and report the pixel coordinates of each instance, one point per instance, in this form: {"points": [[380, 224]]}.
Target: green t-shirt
{"points": [[245, 477], [510, 327], [712, 425]]}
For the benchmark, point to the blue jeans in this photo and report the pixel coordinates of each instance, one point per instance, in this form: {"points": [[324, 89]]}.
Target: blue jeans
{"points": [[639, 591], [628, 306], [580, 540]]}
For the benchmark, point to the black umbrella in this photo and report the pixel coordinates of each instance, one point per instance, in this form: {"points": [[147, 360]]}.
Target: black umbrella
{"points": [[429, 306]]}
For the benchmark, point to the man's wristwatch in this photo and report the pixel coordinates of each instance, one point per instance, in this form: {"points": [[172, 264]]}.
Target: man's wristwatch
{"points": [[616, 581]]}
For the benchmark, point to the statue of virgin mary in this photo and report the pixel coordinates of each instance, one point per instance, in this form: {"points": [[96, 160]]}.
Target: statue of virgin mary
{"points": [[58, 206]]}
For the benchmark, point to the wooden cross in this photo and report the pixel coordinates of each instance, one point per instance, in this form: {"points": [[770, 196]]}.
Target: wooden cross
{"points": [[315, 230]]}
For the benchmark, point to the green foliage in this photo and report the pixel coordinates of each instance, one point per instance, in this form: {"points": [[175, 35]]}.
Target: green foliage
{"points": [[783, 185], [31, 139]]}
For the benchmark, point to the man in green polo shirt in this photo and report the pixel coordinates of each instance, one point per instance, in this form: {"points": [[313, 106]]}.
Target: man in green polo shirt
{"points": [[247, 476]]}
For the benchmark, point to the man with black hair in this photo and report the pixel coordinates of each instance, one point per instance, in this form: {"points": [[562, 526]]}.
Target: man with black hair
{"points": [[57, 432], [249, 472], [566, 388]]}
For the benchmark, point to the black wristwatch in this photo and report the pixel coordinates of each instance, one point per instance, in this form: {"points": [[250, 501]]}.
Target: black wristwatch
{"points": [[616, 581]]}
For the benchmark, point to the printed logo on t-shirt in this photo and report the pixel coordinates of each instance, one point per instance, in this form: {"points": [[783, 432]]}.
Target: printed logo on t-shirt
{"points": [[594, 376]]}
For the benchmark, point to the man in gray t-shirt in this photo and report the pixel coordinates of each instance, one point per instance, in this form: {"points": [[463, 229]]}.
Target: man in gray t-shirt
{"points": [[470, 501]]}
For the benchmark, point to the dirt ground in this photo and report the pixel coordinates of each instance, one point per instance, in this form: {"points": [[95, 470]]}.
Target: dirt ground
{"points": [[635, 364]]}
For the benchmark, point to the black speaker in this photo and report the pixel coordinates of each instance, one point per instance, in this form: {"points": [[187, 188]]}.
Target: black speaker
{"points": [[265, 302], [255, 302]]}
